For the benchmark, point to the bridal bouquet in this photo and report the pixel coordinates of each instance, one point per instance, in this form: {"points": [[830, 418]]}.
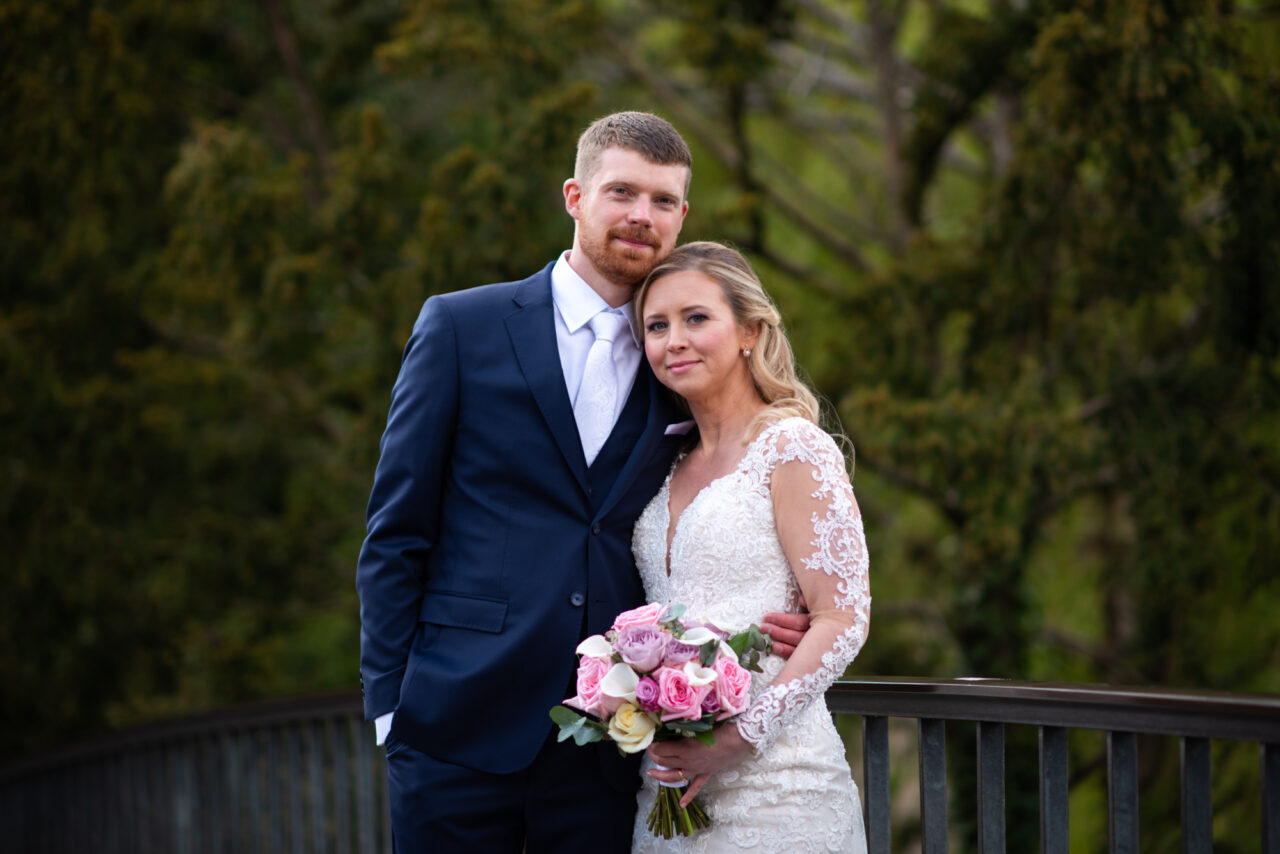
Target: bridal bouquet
{"points": [[655, 676]]}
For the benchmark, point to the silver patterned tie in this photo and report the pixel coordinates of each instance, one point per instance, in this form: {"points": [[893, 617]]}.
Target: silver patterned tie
{"points": [[596, 404]]}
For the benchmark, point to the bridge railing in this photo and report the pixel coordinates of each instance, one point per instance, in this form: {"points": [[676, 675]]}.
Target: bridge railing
{"points": [[1195, 718], [304, 776], [299, 775]]}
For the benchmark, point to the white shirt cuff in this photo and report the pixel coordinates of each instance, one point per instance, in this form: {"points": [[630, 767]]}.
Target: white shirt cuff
{"points": [[382, 726]]}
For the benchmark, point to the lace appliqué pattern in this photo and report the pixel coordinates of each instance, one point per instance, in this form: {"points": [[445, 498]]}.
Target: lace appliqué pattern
{"points": [[727, 564], [840, 550]]}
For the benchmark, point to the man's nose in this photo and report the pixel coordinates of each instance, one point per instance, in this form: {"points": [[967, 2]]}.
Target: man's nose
{"points": [[641, 212]]}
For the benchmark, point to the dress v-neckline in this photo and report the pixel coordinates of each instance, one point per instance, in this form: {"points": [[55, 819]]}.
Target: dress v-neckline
{"points": [[673, 525]]}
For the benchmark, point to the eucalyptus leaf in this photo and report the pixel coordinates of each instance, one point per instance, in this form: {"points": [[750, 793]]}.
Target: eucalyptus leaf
{"points": [[674, 612], [564, 716]]}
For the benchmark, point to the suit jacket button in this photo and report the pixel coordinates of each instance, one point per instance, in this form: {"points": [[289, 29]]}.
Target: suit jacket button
{"points": [[577, 600], [595, 529]]}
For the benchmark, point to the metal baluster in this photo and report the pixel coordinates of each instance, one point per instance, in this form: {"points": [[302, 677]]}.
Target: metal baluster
{"points": [[875, 776], [1054, 830], [1269, 757], [256, 761], [294, 772], [1122, 792], [212, 807], [365, 815], [275, 826], [340, 734], [315, 770], [933, 785], [990, 788], [237, 763], [1197, 797]]}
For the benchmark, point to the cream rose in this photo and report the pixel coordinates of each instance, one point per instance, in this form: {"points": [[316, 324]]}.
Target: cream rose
{"points": [[631, 728]]}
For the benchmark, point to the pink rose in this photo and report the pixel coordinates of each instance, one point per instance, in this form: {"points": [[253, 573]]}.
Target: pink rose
{"points": [[677, 699], [589, 699], [733, 687], [645, 615]]}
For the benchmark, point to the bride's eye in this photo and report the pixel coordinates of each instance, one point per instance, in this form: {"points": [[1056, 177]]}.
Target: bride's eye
{"points": [[656, 326], [696, 318]]}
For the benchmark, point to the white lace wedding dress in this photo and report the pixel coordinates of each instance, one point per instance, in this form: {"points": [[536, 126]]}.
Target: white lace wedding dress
{"points": [[727, 564]]}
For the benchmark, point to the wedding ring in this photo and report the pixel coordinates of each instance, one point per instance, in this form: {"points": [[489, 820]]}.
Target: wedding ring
{"points": [[683, 778]]}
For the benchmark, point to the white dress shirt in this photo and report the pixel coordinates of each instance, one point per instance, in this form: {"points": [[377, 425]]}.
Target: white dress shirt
{"points": [[576, 303]]}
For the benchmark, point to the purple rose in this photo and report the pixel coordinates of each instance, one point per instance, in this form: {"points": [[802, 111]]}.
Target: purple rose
{"points": [[678, 653], [642, 647], [647, 694], [711, 703]]}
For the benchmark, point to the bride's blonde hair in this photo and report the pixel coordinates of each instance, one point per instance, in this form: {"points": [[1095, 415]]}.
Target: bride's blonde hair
{"points": [[772, 365]]}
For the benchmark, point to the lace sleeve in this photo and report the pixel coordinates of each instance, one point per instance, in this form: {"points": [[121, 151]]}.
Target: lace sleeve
{"points": [[820, 528]]}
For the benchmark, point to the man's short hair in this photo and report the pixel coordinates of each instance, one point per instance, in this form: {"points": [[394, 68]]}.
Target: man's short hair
{"points": [[650, 136]]}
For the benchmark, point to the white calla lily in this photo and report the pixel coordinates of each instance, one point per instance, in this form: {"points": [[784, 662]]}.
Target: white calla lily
{"points": [[620, 682], [698, 675], [595, 647], [698, 635]]}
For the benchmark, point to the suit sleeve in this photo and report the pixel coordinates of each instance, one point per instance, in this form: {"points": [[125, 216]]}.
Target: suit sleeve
{"points": [[404, 506]]}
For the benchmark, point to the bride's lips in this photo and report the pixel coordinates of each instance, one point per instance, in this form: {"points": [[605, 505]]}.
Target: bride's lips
{"points": [[681, 367]]}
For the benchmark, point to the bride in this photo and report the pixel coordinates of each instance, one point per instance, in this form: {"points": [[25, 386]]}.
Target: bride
{"points": [[757, 515]]}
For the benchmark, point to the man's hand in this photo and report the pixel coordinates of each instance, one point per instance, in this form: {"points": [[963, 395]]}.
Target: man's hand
{"points": [[787, 630]]}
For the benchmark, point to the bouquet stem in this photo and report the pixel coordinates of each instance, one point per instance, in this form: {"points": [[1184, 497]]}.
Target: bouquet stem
{"points": [[668, 818]]}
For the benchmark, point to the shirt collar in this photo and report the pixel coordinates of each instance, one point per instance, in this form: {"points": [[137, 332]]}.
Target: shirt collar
{"points": [[578, 302]]}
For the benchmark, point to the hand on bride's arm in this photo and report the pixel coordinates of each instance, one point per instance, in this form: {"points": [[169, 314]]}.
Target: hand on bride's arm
{"points": [[786, 630], [696, 760]]}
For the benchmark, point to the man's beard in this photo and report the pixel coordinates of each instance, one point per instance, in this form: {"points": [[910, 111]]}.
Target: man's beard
{"points": [[622, 266]]}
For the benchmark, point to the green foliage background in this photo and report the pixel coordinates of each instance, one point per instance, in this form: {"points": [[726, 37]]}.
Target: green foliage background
{"points": [[1027, 248]]}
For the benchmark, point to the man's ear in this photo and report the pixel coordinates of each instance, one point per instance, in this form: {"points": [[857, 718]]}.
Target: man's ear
{"points": [[572, 196]]}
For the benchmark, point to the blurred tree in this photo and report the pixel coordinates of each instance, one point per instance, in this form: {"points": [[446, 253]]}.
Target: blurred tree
{"points": [[1027, 247], [1034, 246]]}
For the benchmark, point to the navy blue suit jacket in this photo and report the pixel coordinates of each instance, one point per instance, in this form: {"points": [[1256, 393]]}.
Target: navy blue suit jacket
{"points": [[492, 548]]}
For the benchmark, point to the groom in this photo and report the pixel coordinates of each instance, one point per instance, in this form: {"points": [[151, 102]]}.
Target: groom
{"points": [[525, 435]]}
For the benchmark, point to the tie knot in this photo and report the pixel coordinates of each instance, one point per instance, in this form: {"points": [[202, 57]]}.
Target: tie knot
{"points": [[607, 324]]}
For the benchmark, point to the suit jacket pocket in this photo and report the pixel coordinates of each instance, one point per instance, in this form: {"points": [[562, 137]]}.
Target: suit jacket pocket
{"points": [[463, 612]]}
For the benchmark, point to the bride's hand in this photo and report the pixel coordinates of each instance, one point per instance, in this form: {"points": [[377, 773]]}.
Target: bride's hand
{"points": [[690, 760]]}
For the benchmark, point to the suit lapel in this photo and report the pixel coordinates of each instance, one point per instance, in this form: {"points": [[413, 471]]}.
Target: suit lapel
{"points": [[662, 412], [533, 336]]}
